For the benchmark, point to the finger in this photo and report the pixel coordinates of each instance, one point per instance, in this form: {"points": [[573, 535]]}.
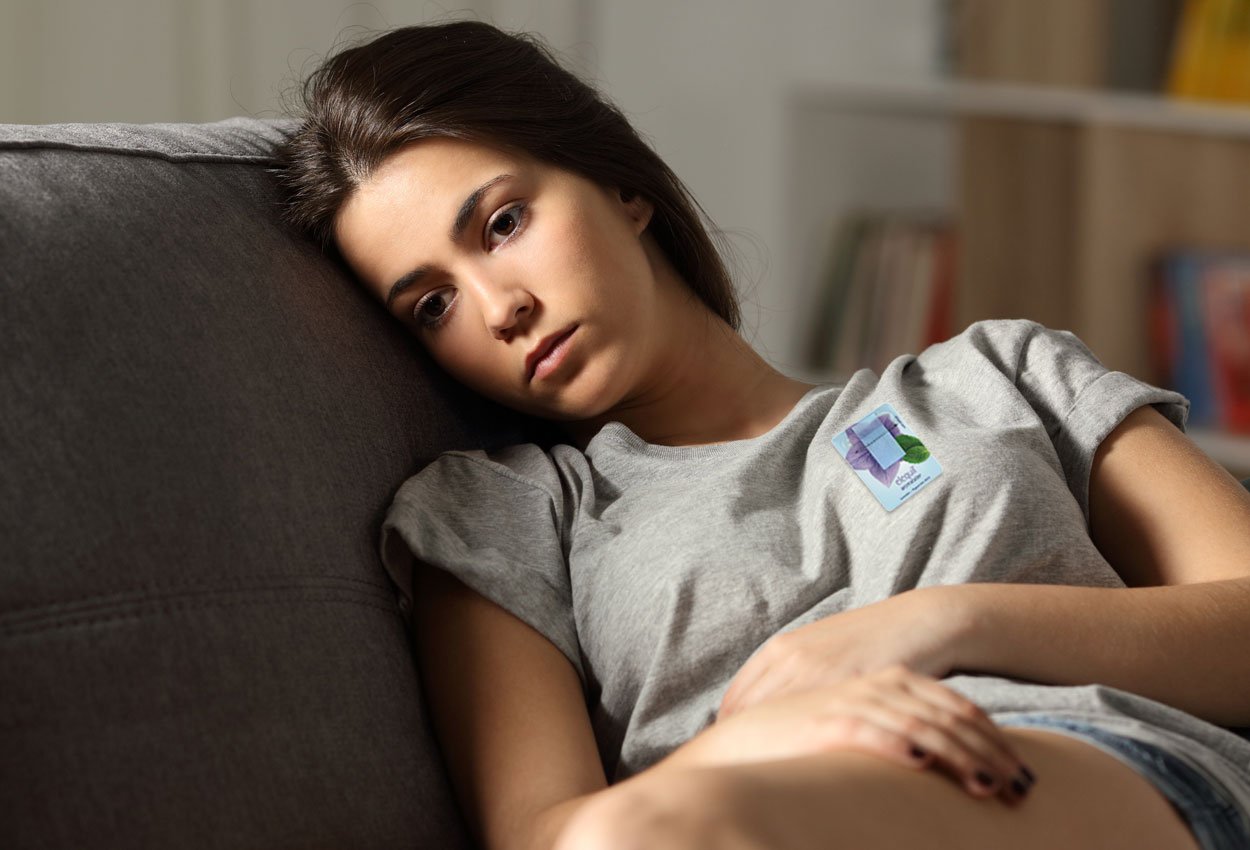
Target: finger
{"points": [[859, 727], [971, 755], [905, 716], [944, 698], [1007, 763]]}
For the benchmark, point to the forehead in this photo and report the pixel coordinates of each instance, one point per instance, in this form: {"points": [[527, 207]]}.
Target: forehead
{"points": [[441, 166], [411, 199]]}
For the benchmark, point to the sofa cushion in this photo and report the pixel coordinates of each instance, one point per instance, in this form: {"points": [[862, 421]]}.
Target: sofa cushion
{"points": [[202, 420]]}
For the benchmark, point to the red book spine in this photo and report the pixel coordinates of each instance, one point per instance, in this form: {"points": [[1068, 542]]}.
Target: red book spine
{"points": [[1227, 296], [1162, 329], [945, 263]]}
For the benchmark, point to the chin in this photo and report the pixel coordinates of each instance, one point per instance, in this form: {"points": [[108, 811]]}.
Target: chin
{"points": [[571, 404], [582, 395]]}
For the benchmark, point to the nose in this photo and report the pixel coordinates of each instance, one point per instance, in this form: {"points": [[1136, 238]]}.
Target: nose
{"points": [[503, 305]]}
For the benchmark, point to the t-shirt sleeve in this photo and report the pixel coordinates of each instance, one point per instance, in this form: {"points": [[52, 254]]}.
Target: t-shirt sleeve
{"points": [[1079, 400], [495, 522]]}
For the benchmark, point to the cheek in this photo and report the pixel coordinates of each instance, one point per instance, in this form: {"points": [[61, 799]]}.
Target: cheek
{"points": [[475, 360], [599, 256], [463, 359]]}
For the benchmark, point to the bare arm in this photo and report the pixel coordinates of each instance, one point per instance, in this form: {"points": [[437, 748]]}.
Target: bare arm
{"points": [[510, 717], [701, 750], [1176, 527]]}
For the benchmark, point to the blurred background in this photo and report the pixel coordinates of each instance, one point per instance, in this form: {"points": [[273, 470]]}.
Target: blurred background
{"points": [[884, 171]]}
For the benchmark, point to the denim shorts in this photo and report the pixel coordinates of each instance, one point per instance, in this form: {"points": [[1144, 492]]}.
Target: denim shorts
{"points": [[1214, 818]]}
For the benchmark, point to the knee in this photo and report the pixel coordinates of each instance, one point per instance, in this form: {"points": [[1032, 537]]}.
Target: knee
{"points": [[688, 811]]}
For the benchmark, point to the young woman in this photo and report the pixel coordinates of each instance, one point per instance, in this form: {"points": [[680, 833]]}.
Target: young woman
{"points": [[984, 599]]}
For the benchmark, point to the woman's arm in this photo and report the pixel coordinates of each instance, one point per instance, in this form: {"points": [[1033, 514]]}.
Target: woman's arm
{"points": [[1176, 527]]}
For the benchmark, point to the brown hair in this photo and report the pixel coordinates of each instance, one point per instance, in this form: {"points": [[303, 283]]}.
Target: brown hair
{"points": [[470, 80]]}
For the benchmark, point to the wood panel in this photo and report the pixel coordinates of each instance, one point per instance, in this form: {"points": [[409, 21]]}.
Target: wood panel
{"points": [[1061, 222], [1017, 183], [1144, 191], [1050, 42]]}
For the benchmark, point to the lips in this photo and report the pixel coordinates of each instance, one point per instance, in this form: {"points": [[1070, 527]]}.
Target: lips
{"points": [[544, 346]]}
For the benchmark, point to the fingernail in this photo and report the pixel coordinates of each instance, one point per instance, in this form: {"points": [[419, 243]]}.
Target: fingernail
{"points": [[1027, 774], [1019, 787], [917, 753], [984, 778]]}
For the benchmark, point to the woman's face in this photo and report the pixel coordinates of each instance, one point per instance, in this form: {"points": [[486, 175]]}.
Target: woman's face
{"points": [[490, 256]]}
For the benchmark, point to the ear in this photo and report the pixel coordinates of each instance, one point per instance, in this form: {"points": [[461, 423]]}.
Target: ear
{"points": [[638, 208]]}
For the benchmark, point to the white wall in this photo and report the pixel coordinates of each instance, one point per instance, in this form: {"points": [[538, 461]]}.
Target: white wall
{"points": [[704, 80], [175, 60], [707, 79]]}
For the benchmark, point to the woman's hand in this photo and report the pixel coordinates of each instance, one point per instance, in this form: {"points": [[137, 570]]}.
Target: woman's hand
{"points": [[919, 628], [893, 713]]}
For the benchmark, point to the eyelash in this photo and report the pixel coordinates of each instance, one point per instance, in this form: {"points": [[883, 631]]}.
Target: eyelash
{"points": [[520, 219]]}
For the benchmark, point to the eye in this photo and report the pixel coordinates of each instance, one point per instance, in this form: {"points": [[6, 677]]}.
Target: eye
{"points": [[432, 310], [437, 306], [512, 219]]}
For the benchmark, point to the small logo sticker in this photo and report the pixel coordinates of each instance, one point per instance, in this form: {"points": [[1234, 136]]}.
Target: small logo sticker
{"points": [[889, 459]]}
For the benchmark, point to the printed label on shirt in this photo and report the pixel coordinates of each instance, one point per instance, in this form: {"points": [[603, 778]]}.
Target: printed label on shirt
{"points": [[891, 461]]}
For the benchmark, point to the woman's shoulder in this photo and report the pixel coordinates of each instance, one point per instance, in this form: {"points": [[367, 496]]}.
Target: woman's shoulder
{"points": [[523, 465], [998, 341], [1037, 360]]}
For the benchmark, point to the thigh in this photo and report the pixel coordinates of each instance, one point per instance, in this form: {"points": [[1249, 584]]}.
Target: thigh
{"points": [[1083, 798]]}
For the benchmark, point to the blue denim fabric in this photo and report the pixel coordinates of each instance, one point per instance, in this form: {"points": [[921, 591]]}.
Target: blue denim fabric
{"points": [[1213, 816]]}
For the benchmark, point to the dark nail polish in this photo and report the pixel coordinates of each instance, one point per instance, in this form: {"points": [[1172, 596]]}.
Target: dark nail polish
{"points": [[984, 778], [917, 753], [1019, 787], [1028, 775]]}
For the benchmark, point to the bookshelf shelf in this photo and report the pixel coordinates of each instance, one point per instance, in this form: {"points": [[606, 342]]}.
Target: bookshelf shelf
{"points": [[1033, 102]]}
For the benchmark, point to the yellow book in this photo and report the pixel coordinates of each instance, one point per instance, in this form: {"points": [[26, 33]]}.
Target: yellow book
{"points": [[1229, 77], [1211, 52], [1187, 51]]}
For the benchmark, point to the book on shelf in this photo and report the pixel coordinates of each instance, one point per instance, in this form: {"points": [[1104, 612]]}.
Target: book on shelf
{"points": [[888, 291], [1199, 327], [1198, 49], [1211, 53]]}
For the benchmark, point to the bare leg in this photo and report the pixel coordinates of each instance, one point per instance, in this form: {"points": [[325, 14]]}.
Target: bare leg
{"points": [[1084, 799]]}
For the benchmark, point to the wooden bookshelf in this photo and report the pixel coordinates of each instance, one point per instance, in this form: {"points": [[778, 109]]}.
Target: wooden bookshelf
{"points": [[1037, 103], [1062, 195]]}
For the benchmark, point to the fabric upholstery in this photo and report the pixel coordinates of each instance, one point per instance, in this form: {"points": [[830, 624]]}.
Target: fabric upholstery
{"points": [[202, 421]]}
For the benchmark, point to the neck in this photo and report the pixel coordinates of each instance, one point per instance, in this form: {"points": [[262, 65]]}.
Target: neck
{"points": [[706, 384]]}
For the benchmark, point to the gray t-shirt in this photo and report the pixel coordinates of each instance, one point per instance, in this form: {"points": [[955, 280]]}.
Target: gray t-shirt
{"points": [[659, 570]]}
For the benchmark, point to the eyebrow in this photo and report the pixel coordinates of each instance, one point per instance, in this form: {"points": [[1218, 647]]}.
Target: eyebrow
{"points": [[463, 216]]}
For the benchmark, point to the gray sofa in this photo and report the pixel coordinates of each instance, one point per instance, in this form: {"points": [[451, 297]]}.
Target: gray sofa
{"points": [[202, 421]]}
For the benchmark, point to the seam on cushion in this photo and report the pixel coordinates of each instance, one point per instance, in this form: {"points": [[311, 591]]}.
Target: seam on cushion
{"points": [[253, 581], [144, 611], [235, 159], [16, 619]]}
